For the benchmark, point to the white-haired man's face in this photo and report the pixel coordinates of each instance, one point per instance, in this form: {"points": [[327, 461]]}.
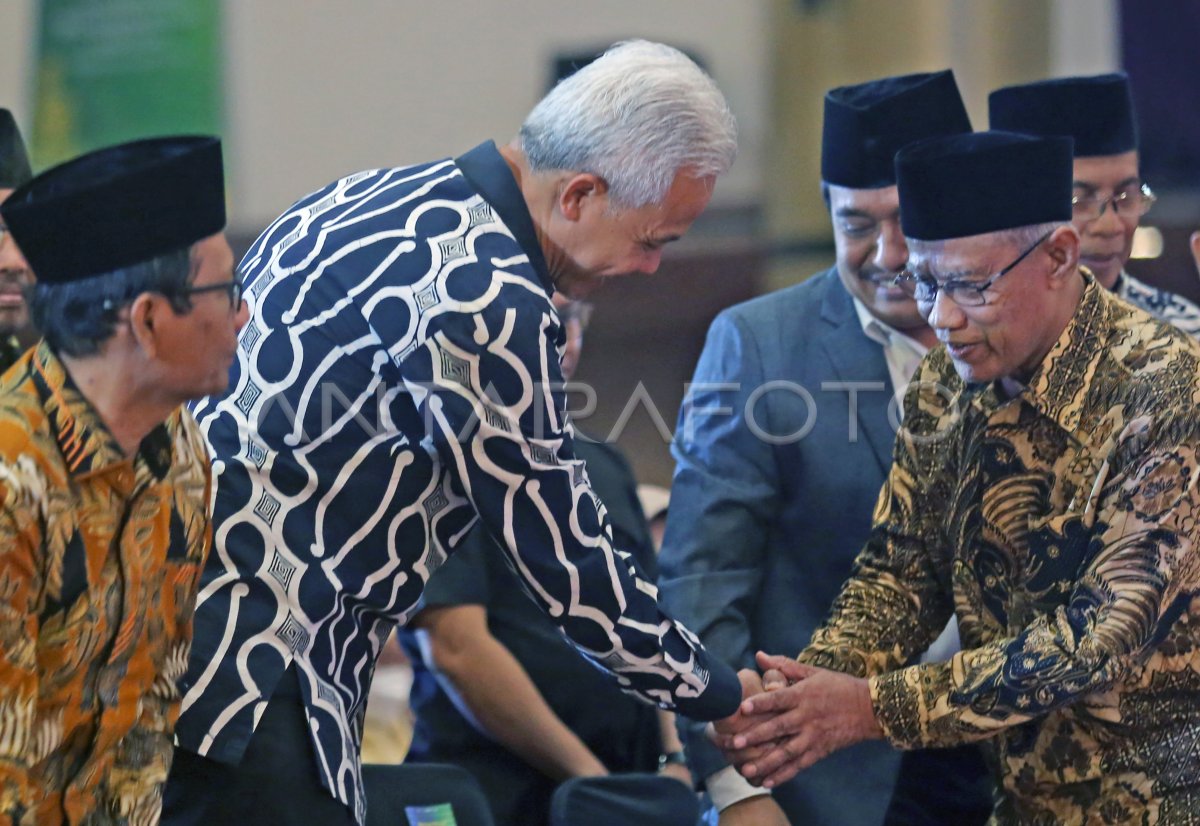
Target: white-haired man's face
{"points": [[591, 240]]}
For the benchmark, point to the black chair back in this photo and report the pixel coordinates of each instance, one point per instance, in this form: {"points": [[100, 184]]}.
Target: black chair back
{"points": [[409, 794], [624, 800]]}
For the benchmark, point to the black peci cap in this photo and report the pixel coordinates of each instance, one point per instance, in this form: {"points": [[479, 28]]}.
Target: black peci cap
{"points": [[1096, 111], [867, 124], [962, 185], [118, 206]]}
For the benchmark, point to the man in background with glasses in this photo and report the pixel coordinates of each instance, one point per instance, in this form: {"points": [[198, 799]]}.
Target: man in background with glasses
{"points": [[1046, 490], [16, 333], [1109, 195], [104, 477]]}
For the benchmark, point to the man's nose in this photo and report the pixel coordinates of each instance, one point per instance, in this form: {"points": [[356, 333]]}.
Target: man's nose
{"points": [[650, 262], [944, 313], [891, 251], [1109, 222]]}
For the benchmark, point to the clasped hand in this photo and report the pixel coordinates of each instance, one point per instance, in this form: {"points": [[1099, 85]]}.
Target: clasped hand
{"points": [[791, 717]]}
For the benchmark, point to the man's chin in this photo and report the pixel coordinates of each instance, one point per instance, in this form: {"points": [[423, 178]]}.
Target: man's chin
{"points": [[13, 320], [1107, 276], [578, 287], [971, 374]]}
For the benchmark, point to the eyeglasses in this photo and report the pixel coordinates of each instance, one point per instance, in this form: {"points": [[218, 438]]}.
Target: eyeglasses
{"points": [[924, 288], [232, 288], [1128, 203]]}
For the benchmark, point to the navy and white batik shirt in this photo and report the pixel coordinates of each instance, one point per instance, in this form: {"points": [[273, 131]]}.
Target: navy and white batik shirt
{"points": [[1171, 308], [400, 374]]}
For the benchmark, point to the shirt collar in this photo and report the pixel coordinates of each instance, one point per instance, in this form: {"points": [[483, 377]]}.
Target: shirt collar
{"points": [[487, 171], [87, 445], [882, 333], [1058, 388]]}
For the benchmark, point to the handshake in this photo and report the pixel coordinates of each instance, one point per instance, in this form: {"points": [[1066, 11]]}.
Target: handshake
{"points": [[791, 716]]}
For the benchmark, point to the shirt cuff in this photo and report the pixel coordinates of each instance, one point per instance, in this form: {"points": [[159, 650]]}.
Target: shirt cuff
{"points": [[727, 787], [900, 706]]}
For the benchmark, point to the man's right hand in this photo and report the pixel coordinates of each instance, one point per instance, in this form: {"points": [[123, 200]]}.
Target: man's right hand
{"points": [[737, 722], [752, 684], [753, 811], [722, 731]]}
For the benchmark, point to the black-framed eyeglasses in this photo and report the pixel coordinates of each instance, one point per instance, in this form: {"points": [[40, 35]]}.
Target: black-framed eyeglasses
{"points": [[233, 288], [924, 288], [1128, 203]]}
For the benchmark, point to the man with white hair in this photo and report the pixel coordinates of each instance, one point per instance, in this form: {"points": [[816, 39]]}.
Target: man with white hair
{"points": [[399, 380], [1045, 490]]}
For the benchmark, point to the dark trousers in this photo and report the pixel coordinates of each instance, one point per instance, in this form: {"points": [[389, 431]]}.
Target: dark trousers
{"points": [[276, 784], [942, 787]]}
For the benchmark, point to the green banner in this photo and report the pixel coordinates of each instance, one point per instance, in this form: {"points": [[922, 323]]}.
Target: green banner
{"points": [[115, 70]]}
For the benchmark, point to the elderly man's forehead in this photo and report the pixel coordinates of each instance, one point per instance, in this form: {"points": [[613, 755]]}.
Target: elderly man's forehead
{"points": [[959, 255]]}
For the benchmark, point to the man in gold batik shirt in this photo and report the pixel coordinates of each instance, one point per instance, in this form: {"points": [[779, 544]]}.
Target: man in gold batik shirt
{"points": [[1045, 490], [105, 478]]}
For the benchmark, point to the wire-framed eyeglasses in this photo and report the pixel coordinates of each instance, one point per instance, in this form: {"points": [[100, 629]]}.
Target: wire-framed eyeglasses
{"points": [[924, 288], [1128, 203]]}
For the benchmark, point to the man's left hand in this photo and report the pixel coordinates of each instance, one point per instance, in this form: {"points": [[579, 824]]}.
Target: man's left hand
{"points": [[787, 730]]}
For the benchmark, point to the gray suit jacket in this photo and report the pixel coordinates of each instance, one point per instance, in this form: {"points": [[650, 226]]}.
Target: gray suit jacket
{"points": [[782, 446]]}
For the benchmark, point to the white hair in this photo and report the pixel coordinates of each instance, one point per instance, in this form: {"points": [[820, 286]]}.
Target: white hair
{"points": [[1021, 237], [636, 116]]}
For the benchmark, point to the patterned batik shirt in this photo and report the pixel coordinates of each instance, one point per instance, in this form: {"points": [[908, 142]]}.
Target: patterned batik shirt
{"points": [[100, 556], [10, 351], [1061, 526], [1171, 308], [398, 376]]}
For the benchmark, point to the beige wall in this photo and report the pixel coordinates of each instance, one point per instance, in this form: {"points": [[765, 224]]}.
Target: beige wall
{"points": [[1085, 37], [988, 43], [16, 42], [317, 89]]}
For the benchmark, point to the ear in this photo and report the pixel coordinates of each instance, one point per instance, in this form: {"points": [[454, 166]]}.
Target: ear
{"points": [[145, 314], [1195, 241], [1063, 247], [580, 191]]}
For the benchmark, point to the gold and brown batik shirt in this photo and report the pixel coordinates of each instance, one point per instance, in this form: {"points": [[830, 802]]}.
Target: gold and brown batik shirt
{"points": [[99, 559], [1061, 526]]}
